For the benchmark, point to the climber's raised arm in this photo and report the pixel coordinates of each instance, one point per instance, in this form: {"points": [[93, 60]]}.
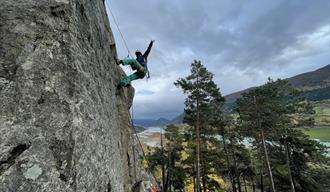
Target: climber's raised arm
{"points": [[145, 55], [139, 64]]}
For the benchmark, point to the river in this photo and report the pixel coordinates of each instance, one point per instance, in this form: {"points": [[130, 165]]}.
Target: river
{"points": [[151, 137]]}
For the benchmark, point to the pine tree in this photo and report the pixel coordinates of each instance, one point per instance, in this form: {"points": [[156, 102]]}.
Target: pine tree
{"points": [[268, 114], [202, 93], [170, 158]]}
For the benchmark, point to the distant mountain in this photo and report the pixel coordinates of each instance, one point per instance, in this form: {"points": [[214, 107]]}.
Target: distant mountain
{"points": [[317, 79], [177, 120], [139, 129], [151, 122], [315, 86]]}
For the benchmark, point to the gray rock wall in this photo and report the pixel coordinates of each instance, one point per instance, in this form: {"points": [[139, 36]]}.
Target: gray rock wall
{"points": [[63, 125]]}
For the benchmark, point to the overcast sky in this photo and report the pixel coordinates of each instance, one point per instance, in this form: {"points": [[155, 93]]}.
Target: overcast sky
{"points": [[241, 42]]}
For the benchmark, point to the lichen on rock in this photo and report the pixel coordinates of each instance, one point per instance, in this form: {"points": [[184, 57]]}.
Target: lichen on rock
{"points": [[33, 173]]}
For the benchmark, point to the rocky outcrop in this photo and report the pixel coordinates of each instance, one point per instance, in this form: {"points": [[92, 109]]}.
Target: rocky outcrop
{"points": [[63, 124]]}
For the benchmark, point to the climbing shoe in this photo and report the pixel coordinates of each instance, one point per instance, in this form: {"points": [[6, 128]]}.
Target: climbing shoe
{"points": [[119, 86], [122, 84], [118, 62]]}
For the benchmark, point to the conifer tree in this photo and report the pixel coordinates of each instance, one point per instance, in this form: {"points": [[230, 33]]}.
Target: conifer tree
{"points": [[202, 93], [268, 114]]}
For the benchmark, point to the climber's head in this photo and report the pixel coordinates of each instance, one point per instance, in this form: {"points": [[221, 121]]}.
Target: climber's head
{"points": [[138, 53]]}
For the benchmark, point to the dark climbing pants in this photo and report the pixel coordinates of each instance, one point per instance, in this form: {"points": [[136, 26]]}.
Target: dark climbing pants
{"points": [[139, 74]]}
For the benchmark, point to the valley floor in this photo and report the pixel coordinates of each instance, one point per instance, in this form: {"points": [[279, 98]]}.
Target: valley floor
{"points": [[321, 133]]}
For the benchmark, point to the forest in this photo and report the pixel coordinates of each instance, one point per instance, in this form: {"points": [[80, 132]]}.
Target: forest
{"points": [[261, 146]]}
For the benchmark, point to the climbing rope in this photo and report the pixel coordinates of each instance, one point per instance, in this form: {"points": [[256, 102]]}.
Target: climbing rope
{"points": [[136, 134], [123, 38], [140, 143], [121, 34], [132, 109]]}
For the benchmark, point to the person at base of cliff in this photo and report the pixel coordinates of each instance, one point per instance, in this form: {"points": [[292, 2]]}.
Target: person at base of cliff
{"points": [[139, 64]]}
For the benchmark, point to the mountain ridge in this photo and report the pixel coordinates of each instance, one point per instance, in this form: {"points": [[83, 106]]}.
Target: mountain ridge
{"points": [[315, 85], [151, 122]]}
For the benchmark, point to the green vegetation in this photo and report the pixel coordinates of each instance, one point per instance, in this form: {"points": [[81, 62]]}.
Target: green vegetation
{"points": [[202, 111], [321, 133], [322, 113], [321, 130], [281, 152], [139, 129], [318, 94], [209, 155]]}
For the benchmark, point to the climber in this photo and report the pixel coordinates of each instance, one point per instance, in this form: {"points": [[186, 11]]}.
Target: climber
{"points": [[139, 64]]}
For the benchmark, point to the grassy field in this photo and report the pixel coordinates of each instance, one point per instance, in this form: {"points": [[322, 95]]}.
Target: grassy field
{"points": [[321, 130], [321, 133], [322, 113]]}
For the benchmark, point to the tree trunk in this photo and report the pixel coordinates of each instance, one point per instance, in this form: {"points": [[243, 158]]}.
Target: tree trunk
{"points": [[287, 150], [204, 183], [261, 180], [198, 173], [194, 177], [203, 171], [169, 165], [167, 181], [202, 167], [239, 187], [228, 163], [267, 161], [253, 185], [253, 175], [236, 169], [198, 144], [245, 185], [194, 181], [264, 148], [163, 162]]}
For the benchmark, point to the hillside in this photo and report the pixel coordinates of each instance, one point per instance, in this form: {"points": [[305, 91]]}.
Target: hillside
{"points": [[177, 120], [314, 80], [151, 122], [322, 113], [315, 86]]}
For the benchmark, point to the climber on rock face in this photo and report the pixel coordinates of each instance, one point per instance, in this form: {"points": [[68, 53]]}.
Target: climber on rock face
{"points": [[139, 64]]}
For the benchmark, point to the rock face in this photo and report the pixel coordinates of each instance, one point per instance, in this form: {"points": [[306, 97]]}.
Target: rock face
{"points": [[63, 124]]}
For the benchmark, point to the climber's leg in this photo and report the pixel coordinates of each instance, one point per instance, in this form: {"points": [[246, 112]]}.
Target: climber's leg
{"points": [[127, 81], [133, 63], [129, 61], [140, 74]]}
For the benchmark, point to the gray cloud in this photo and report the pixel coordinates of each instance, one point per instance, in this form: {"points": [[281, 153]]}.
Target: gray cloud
{"points": [[241, 42], [268, 35]]}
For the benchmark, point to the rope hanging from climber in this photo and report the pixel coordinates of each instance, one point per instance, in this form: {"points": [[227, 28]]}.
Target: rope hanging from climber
{"points": [[140, 65]]}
